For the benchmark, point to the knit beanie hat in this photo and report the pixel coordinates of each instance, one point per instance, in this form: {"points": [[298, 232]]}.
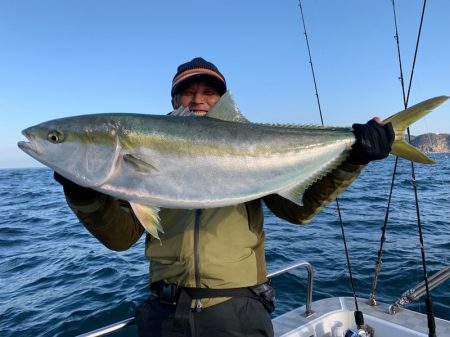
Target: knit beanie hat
{"points": [[198, 69]]}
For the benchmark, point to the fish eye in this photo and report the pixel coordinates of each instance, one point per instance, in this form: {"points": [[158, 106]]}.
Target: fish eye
{"points": [[55, 137]]}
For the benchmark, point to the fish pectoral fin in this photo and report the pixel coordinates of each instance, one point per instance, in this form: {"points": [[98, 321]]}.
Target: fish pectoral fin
{"points": [[148, 216], [138, 164], [294, 194]]}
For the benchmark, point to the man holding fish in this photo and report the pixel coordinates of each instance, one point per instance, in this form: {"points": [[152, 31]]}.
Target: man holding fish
{"points": [[208, 268]]}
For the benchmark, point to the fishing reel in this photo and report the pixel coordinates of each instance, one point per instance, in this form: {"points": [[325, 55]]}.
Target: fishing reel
{"points": [[355, 333], [362, 330], [366, 332]]}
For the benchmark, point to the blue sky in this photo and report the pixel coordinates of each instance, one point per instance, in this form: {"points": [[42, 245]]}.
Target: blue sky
{"points": [[69, 57]]}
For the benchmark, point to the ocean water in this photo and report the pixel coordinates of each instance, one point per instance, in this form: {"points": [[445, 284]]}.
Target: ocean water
{"points": [[57, 280]]}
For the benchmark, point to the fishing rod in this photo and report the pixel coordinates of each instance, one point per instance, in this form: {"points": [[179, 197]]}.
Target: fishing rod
{"points": [[359, 317], [428, 301], [311, 62]]}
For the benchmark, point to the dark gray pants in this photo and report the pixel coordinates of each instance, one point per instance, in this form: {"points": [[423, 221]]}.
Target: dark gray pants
{"points": [[239, 316]]}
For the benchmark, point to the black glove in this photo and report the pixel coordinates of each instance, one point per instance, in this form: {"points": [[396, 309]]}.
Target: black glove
{"points": [[73, 190], [373, 142]]}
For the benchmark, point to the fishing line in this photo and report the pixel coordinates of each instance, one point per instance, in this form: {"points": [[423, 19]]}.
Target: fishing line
{"points": [[428, 301], [372, 300], [378, 263], [358, 314]]}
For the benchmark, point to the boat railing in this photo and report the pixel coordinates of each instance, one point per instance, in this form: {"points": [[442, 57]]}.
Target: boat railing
{"points": [[131, 321], [419, 290]]}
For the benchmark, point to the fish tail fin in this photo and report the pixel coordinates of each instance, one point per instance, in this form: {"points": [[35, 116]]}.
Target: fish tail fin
{"points": [[400, 121]]}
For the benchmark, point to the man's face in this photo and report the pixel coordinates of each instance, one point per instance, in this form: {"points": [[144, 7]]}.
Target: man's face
{"points": [[199, 97]]}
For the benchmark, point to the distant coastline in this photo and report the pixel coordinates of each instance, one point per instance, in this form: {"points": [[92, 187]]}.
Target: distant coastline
{"points": [[432, 142]]}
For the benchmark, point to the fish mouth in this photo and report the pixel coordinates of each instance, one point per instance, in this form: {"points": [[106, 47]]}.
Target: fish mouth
{"points": [[30, 146]]}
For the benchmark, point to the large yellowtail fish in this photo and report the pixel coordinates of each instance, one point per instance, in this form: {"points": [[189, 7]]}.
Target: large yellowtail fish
{"points": [[181, 161]]}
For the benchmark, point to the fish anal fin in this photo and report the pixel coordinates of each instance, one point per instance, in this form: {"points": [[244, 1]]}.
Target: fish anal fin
{"points": [[148, 216], [138, 164], [294, 194]]}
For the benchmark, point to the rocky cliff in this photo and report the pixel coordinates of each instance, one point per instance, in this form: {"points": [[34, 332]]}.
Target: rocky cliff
{"points": [[432, 142]]}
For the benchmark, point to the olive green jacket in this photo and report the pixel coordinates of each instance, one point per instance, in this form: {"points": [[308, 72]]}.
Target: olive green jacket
{"points": [[214, 248]]}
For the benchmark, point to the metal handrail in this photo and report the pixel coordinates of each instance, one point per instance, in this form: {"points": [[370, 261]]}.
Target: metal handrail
{"points": [[310, 271], [131, 321], [419, 290]]}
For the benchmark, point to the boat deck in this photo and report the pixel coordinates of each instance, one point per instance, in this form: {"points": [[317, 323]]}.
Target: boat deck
{"points": [[332, 316]]}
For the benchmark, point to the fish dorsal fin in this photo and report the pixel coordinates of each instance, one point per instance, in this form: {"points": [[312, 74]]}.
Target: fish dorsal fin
{"points": [[226, 109], [182, 111], [148, 216]]}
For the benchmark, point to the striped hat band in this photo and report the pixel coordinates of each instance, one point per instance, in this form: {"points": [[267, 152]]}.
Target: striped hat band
{"points": [[194, 72]]}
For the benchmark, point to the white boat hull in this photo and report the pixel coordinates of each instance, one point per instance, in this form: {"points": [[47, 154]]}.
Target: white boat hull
{"points": [[333, 316]]}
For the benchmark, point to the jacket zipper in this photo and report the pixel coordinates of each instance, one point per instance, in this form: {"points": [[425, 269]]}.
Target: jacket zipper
{"points": [[198, 304]]}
